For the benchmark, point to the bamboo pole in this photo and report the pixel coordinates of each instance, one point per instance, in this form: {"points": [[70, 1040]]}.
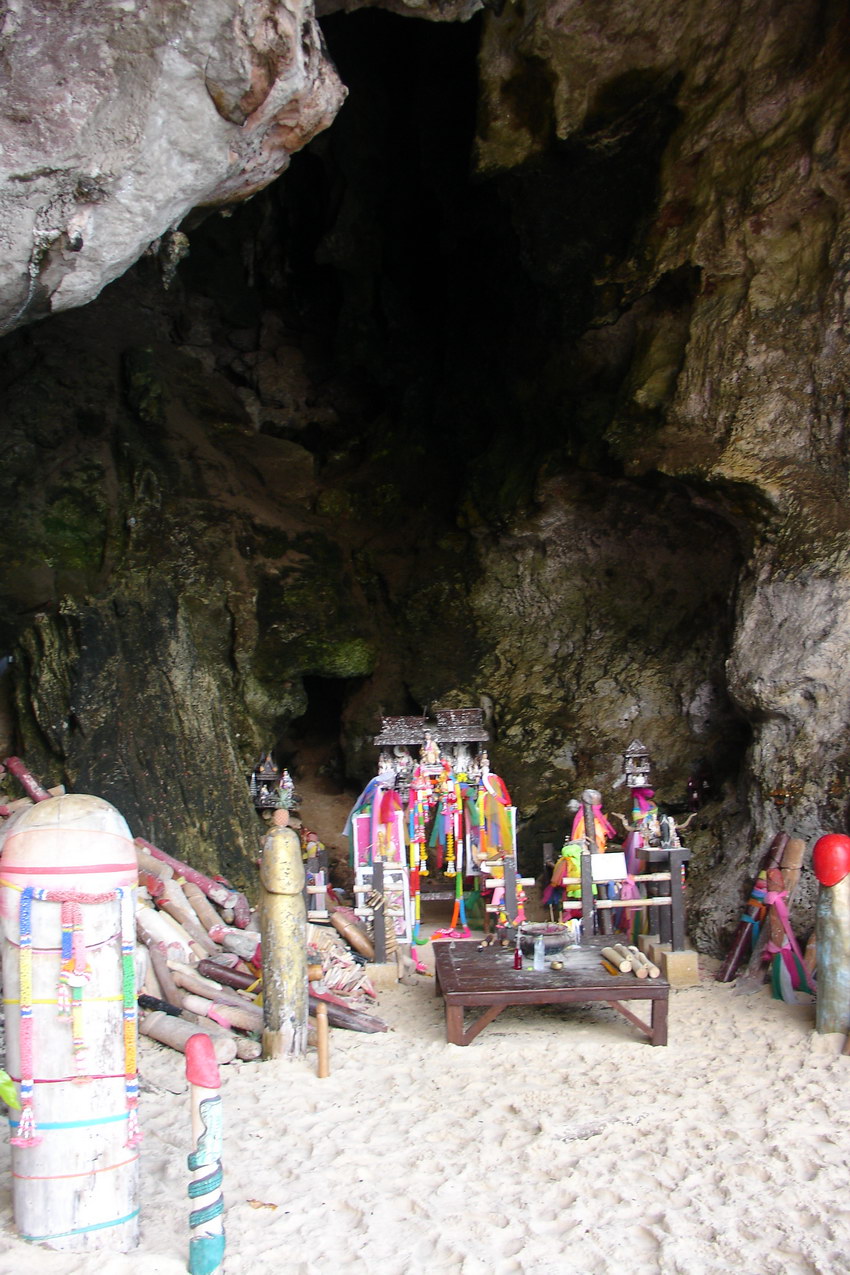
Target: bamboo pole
{"points": [[635, 964], [613, 957], [650, 966]]}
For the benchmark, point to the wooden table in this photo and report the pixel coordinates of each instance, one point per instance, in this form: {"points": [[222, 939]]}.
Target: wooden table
{"points": [[467, 977]]}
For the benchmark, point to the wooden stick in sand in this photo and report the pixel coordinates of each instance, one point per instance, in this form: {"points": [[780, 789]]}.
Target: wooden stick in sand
{"points": [[206, 1221], [322, 1033]]}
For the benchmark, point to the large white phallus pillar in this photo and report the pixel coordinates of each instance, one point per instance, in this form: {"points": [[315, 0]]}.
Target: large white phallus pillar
{"points": [[67, 942]]}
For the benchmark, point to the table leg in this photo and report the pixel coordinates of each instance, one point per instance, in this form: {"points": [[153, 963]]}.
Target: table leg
{"points": [[454, 1024], [659, 1022]]}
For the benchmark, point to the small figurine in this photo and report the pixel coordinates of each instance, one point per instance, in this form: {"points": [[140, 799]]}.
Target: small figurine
{"points": [[429, 753], [387, 768]]}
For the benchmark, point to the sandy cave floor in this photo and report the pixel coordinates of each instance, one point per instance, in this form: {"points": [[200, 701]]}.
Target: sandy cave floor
{"points": [[559, 1140]]}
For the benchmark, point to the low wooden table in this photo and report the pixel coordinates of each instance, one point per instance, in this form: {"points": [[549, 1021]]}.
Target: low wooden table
{"points": [[467, 977]]}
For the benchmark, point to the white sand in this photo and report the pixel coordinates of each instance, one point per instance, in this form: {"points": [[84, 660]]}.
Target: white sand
{"points": [[560, 1141]]}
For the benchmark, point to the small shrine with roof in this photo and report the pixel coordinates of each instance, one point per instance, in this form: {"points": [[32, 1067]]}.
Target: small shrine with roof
{"points": [[271, 787], [435, 809]]}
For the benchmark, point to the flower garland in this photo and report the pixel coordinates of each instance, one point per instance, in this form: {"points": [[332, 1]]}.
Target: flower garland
{"points": [[73, 975]]}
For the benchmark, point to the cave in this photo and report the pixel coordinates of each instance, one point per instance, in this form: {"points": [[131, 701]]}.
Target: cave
{"points": [[508, 375]]}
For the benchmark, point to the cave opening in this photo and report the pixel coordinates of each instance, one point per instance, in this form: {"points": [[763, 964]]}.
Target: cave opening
{"points": [[382, 426], [460, 327], [311, 745]]}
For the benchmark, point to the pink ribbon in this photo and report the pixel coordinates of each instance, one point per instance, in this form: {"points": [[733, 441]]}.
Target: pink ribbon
{"points": [[776, 898]]}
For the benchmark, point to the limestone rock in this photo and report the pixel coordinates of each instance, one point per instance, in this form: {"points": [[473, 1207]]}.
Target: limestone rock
{"points": [[120, 118]]}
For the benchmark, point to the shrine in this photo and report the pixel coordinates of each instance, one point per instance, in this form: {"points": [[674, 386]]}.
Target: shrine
{"points": [[271, 788], [434, 815]]}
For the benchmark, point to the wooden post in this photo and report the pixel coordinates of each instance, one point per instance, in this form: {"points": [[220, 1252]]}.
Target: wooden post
{"points": [[283, 927], [509, 869], [677, 902], [587, 912], [206, 1245], [322, 1033], [379, 924], [587, 799], [772, 934]]}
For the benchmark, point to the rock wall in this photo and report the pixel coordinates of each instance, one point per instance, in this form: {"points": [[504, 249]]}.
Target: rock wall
{"points": [[563, 436], [731, 304], [119, 119]]}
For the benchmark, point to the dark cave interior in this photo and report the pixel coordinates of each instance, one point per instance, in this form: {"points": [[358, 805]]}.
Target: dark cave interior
{"points": [[442, 309], [443, 314], [461, 338]]}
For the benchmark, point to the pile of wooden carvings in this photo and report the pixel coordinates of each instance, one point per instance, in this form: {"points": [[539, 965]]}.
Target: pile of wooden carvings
{"points": [[199, 958], [203, 964], [199, 953]]}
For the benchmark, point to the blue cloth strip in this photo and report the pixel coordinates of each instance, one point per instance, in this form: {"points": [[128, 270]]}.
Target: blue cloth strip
{"points": [[74, 1124], [81, 1230]]}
